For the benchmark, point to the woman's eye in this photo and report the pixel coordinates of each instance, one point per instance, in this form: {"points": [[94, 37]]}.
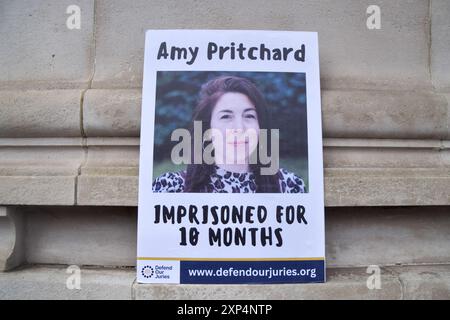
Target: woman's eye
{"points": [[250, 116], [226, 116]]}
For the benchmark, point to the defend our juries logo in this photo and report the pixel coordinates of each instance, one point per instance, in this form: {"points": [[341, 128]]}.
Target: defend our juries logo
{"points": [[147, 272]]}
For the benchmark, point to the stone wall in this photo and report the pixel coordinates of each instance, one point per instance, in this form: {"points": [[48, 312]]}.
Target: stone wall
{"points": [[69, 142]]}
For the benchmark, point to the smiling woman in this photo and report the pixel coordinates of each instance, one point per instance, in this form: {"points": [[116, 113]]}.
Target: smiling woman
{"points": [[234, 117], [232, 112]]}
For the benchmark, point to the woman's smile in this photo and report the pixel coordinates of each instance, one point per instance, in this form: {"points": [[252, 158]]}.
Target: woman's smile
{"points": [[237, 143]]}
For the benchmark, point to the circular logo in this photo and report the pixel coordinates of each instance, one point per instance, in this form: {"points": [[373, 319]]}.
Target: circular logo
{"points": [[147, 272]]}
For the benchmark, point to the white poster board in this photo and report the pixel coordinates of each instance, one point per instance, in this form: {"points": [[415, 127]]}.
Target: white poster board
{"points": [[206, 220]]}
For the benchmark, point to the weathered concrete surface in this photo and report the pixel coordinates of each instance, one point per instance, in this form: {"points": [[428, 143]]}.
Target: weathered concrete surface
{"points": [[37, 190], [85, 236], [387, 236], [347, 114], [384, 114], [39, 171], [108, 190], [40, 113], [49, 153], [39, 51], [440, 30], [112, 113], [424, 282], [406, 282], [351, 55], [397, 154], [386, 187], [343, 187], [341, 284], [348, 283], [448, 115], [110, 174], [49, 283]]}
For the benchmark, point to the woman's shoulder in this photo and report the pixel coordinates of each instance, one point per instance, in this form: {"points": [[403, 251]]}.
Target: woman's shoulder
{"points": [[170, 182], [290, 182]]}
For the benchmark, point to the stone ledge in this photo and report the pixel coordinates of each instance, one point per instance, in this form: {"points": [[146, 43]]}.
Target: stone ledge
{"points": [[422, 282], [386, 187], [104, 171], [112, 113], [40, 113], [117, 112], [341, 284], [343, 187], [108, 190], [346, 114], [37, 190], [49, 283], [400, 282]]}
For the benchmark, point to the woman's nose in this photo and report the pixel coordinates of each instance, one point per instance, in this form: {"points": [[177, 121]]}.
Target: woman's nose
{"points": [[238, 124]]}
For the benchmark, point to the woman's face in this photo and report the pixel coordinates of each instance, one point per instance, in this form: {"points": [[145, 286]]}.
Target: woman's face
{"points": [[235, 128]]}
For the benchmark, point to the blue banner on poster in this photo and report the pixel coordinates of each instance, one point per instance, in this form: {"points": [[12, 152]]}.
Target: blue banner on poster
{"points": [[235, 272]]}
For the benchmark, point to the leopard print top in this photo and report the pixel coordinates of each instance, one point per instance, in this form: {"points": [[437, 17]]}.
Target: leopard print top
{"points": [[230, 182]]}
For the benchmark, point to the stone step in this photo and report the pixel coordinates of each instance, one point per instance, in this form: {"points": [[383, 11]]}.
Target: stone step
{"points": [[381, 114], [400, 282]]}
